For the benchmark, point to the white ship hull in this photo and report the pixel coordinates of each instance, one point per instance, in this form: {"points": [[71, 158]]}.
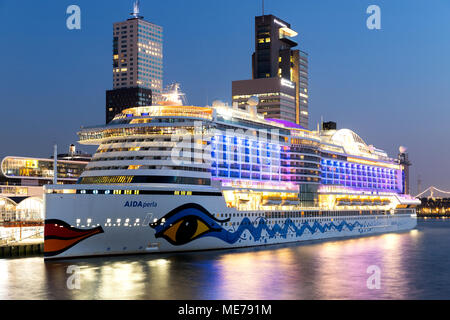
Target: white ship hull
{"points": [[79, 225]]}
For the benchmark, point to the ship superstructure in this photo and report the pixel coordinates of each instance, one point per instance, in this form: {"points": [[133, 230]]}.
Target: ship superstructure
{"points": [[175, 178]]}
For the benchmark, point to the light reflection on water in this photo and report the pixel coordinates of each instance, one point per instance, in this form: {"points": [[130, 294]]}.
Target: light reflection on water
{"points": [[414, 265]]}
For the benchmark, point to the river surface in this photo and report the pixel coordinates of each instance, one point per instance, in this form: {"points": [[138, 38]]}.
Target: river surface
{"points": [[411, 265]]}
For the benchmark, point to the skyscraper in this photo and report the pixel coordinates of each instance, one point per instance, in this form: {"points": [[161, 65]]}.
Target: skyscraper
{"points": [[137, 64], [274, 58], [273, 48], [303, 94]]}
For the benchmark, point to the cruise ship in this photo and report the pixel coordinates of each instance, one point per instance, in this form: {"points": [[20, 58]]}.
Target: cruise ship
{"points": [[171, 178]]}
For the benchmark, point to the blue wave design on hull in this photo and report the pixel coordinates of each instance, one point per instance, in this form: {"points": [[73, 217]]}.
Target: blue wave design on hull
{"points": [[191, 221], [256, 232]]}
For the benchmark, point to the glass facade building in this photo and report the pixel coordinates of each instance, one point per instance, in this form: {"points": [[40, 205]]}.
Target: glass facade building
{"points": [[21, 186], [40, 169]]}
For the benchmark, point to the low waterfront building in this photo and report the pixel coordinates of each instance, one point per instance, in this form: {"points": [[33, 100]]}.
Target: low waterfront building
{"points": [[22, 180], [434, 207]]}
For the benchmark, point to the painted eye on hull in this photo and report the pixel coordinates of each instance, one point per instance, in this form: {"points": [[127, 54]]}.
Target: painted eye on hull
{"points": [[187, 223], [186, 230]]}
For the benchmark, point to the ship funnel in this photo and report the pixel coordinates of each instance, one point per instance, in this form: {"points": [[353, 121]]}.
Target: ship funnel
{"points": [[72, 150]]}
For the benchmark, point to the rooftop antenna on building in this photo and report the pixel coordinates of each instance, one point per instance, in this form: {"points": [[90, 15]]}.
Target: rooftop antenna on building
{"points": [[135, 13]]}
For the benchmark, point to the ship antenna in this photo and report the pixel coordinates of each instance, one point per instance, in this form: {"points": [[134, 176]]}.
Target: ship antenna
{"points": [[55, 164]]}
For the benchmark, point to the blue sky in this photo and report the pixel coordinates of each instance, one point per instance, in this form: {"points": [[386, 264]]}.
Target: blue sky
{"points": [[389, 85]]}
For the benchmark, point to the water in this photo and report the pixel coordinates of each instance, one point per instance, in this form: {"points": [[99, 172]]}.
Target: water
{"points": [[414, 265]]}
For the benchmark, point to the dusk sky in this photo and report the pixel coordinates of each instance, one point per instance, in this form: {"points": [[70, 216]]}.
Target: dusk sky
{"points": [[391, 86]]}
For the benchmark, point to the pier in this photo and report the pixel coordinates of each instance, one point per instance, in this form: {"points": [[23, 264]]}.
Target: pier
{"points": [[21, 239], [22, 249]]}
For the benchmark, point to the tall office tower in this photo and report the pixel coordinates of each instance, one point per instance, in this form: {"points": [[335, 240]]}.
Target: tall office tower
{"points": [[137, 64], [403, 159], [303, 94], [274, 58]]}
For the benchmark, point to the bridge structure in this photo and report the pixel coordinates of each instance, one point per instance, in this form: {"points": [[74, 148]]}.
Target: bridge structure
{"points": [[434, 193]]}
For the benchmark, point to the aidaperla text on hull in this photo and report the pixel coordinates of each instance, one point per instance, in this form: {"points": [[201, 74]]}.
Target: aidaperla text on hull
{"points": [[140, 204]]}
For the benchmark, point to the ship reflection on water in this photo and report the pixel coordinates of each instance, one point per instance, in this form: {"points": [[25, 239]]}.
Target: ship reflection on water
{"points": [[414, 265]]}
